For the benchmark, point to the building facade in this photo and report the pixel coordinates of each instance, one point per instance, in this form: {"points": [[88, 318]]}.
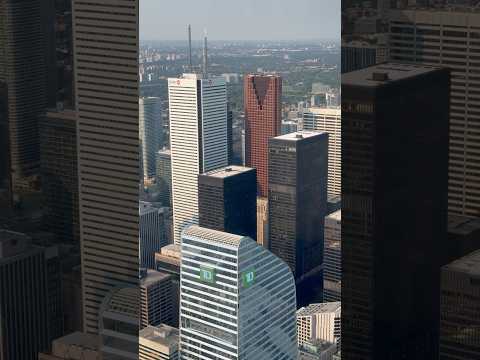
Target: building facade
{"points": [[237, 300], [158, 343], [329, 120], [164, 176], [332, 257], [381, 184], [297, 202], [106, 88], [153, 232], [150, 133], [320, 321], [449, 38], [198, 139], [263, 116], [227, 200]]}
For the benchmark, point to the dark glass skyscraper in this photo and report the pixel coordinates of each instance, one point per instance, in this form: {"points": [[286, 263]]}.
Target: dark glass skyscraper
{"points": [[297, 200], [227, 200], [394, 210]]}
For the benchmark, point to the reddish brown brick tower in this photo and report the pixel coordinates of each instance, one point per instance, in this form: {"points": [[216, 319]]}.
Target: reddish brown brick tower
{"points": [[263, 99]]}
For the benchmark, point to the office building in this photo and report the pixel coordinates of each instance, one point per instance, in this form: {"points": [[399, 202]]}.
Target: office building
{"points": [[5, 179], [106, 80], [118, 324], [262, 221], [230, 136], [358, 55], [227, 200], [156, 296], [263, 115], [23, 71], [332, 257], [198, 139], [151, 133], [237, 300], [449, 38], [74, 346], [390, 271], [329, 120], [153, 234], [463, 236], [24, 324], [297, 203], [58, 165], [317, 350], [158, 343], [459, 311], [164, 176], [320, 321]]}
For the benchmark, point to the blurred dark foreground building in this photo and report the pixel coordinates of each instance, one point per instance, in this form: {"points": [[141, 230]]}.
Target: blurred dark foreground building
{"points": [[395, 120]]}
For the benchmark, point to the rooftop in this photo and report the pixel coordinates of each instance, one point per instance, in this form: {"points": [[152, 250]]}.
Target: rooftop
{"points": [[124, 301], [337, 215], [152, 277], [162, 334], [379, 75], [316, 308], [469, 264], [215, 236], [79, 339], [228, 171], [324, 111], [299, 135], [13, 243], [463, 225]]}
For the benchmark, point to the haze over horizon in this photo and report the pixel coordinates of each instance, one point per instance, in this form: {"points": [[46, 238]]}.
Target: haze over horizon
{"points": [[228, 20]]}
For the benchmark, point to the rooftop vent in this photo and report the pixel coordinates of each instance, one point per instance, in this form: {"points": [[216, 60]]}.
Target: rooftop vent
{"points": [[380, 76], [299, 136], [228, 169]]}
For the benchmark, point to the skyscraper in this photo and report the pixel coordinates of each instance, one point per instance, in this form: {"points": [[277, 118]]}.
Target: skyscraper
{"points": [[297, 202], [237, 300], [459, 312], [198, 139], [227, 200], [153, 235], [158, 343], [58, 167], [23, 70], [330, 121], [332, 257], [415, 37], [106, 79], [262, 99], [156, 295], [164, 176], [151, 133], [394, 209]]}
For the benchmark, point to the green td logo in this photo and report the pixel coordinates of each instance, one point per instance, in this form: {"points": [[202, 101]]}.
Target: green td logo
{"points": [[248, 278], [207, 274]]}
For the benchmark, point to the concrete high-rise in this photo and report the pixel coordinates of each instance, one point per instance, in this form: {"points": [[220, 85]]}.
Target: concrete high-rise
{"points": [[151, 133], [237, 299], [332, 257], [156, 296], [415, 37], [320, 321], [158, 343], [198, 139], [459, 311], [227, 200], [297, 202], [58, 167], [330, 121], [262, 96], [394, 166], [106, 88], [23, 71]]}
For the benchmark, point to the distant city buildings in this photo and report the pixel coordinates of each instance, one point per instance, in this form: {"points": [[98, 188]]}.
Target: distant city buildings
{"points": [[198, 137], [297, 203], [227, 200], [388, 174], [328, 120], [229, 307]]}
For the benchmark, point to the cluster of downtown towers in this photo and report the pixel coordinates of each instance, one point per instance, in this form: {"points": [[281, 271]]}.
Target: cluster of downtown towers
{"points": [[395, 171]]}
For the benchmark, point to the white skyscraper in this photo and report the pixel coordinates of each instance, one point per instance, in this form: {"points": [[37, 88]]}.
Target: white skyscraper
{"points": [[198, 138], [150, 132], [237, 299], [330, 121]]}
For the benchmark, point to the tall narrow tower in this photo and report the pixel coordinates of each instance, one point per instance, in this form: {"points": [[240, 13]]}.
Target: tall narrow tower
{"points": [[106, 66]]}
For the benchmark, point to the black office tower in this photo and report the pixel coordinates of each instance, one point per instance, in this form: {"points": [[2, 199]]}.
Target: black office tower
{"points": [[227, 200], [297, 200], [395, 126]]}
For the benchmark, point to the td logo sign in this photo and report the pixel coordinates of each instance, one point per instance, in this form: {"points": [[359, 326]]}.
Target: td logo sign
{"points": [[207, 274], [248, 278]]}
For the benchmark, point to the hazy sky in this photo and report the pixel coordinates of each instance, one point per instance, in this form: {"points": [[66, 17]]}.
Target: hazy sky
{"points": [[240, 19]]}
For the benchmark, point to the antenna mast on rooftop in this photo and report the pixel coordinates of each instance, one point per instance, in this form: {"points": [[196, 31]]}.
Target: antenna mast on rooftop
{"points": [[190, 69]]}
